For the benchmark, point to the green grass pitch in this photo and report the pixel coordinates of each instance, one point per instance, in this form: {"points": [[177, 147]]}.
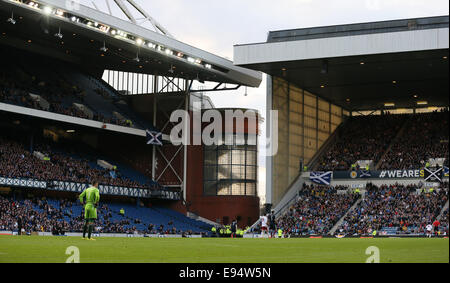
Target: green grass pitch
{"points": [[37, 249]]}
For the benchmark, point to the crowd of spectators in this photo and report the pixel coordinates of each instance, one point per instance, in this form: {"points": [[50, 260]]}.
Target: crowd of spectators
{"points": [[316, 211], [426, 136], [14, 90], [362, 138], [39, 215], [16, 161], [407, 209]]}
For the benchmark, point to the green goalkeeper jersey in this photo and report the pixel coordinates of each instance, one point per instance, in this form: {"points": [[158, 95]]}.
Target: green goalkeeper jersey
{"points": [[92, 196]]}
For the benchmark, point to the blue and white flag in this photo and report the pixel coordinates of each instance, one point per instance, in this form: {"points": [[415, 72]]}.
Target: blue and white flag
{"points": [[323, 178], [433, 175], [445, 171], [153, 137], [365, 174]]}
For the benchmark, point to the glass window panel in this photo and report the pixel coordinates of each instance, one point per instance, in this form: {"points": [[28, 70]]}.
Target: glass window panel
{"points": [[210, 157], [311, 133], [251, 172], [310, 111], [310, 122], [324, 116], [310, 99], [210, 173], [238, 189], [224, 172], [251, 158], [224, 189], [238, 156], [238, 172], [296, 94], [296, 118], [296, 139], [336, 110], [295, 107], [324, 106], [250, 189], [224, 157], [324, 126], [310, 143], [295, 129]]}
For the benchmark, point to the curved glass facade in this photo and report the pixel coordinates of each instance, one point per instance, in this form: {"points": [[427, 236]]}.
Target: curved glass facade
{"points": [[231, 169]]}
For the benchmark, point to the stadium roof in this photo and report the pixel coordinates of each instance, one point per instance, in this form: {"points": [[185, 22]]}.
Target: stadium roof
{"points": [[360, 66], [85, 31]]}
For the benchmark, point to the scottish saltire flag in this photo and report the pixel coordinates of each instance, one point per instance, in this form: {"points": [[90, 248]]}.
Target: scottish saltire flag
{"points": [[365, 174], [445, 171], [433, 175], [323, 178], [154, 137]]}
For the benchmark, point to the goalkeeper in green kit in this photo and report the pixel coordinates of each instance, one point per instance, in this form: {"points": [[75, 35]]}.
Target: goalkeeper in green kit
{"points": [[92, 196]]}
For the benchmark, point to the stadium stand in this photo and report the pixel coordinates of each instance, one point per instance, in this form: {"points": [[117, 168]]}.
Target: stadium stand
{"points": [[66, 215], [361, 138], [16, 161], [375, 138], [426, 136], [396, 209], [62, 89], [316, 210]]}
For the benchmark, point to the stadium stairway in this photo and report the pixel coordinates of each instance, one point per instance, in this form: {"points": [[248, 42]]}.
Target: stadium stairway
{"points": [[339, 223], [441, 214]]}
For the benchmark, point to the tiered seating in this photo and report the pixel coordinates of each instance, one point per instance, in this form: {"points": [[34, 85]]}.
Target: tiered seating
{"points": [[316, 211], [362, 138], [62, 86], [395, 209], [64, 165], [67, 215], [425, 137], [369, 137]]}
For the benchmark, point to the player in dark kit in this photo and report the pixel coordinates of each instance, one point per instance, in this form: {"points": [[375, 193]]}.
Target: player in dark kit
{"points": [[19, 225], [272, 224], [233, 228]]}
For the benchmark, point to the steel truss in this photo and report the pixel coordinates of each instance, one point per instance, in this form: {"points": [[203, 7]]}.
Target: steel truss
{"points": [[165, 118], [147, 18]]}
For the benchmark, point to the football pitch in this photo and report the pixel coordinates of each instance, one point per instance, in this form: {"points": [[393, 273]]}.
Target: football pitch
{"points": [[38, 249]]}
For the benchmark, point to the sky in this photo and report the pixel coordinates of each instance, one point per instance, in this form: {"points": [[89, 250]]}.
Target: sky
{"points": [[216, 26]]}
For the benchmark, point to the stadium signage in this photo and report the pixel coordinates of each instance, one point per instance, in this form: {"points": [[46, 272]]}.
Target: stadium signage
{"points": [[161, 193], [431, 175], [400, 174]]}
